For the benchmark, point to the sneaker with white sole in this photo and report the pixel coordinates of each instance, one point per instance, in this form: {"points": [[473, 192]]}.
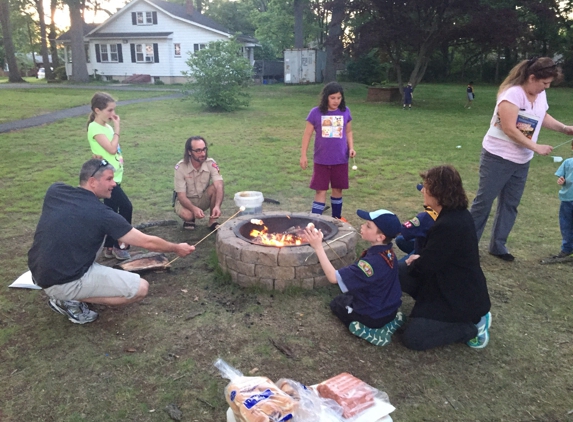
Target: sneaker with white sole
{"points": [[77, 312], [108, 253], [120, 254], [482, 338], [378, 336]]}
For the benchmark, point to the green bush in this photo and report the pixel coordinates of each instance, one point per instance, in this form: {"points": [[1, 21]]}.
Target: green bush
{"points": [[367, 69], [219, 76], [59, 73], [159, 82]]}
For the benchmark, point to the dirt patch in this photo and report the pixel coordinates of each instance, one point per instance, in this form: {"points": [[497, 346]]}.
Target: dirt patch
{"points": [[141, 358]]}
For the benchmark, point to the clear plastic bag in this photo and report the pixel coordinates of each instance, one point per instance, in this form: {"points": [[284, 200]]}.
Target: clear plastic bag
{"points": [[255, 399], [311, 407]]}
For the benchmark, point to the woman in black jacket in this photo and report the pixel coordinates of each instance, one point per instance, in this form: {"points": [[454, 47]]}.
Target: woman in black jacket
{"points": [[445, 279]]}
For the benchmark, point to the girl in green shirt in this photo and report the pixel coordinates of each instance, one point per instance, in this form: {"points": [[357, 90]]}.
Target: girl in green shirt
{"points": [[104, 143]]}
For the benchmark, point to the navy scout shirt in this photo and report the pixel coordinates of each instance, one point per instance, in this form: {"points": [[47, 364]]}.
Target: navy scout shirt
{"points": [[373, 282]]}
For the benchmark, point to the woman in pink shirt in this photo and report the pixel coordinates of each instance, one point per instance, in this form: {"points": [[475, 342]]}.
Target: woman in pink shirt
{"points": [[509, 144]]}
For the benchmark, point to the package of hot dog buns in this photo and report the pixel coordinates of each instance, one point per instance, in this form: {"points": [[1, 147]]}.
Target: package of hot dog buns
{"points": [[255, 399]]}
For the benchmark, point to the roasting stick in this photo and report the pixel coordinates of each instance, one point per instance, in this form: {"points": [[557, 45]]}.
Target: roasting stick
{"points": [[220, 225], [332, 241], [566, 142]]}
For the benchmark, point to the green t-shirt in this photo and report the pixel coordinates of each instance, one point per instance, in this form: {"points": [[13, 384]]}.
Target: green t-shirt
{"points": [[116, 160]]}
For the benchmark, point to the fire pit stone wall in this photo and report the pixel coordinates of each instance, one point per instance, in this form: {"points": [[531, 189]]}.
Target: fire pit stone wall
{"points": [[278, 268]]}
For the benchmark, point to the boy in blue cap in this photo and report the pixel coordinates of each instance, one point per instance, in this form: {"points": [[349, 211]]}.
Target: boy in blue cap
{"points": [[371, 289]]}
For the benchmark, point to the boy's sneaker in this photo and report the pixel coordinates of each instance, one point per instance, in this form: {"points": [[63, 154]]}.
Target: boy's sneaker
{"points": [[77, 312], [120, 254], [482, 339], [108, 253], [376, 336], [396, 323]]}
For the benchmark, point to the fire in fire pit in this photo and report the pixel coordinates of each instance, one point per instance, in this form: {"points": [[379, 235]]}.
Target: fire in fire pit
{"points": [[281, 230]]}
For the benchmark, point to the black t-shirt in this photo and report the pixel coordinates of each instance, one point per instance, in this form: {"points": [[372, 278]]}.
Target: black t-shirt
{"points": [[71, 230]]}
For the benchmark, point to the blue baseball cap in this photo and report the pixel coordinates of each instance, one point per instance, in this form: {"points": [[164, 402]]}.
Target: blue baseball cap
{"points": [[385, 220]]}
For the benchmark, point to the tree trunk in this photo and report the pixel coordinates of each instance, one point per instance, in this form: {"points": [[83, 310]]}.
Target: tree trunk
{"points": [[334, 42], [79, 63], [14, 75], [298, 24], [53, 35], [44, 44]]}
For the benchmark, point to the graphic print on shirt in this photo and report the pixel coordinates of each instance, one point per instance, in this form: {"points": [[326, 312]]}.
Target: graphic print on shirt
{"points": [[332, 126]]}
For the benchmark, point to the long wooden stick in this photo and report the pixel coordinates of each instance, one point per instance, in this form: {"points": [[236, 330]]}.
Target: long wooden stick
{"points": [[332, 241], [220, 225], [566, 142]]}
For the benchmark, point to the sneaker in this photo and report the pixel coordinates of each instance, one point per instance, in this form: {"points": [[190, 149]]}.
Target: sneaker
{"points": [[504, 256], [120, 254], [563, 254], [376, 336], [344, 220], [396, 323], [77, 312], [482, 339], [108, 253]]}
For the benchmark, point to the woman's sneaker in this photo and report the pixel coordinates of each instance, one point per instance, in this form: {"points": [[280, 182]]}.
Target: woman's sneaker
{"points": [[482, 339], [77, 312]]}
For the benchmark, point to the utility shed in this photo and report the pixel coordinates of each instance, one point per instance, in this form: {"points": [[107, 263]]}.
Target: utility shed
{"points": [[304, 65]]}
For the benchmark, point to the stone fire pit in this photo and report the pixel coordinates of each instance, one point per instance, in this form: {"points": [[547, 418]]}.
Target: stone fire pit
{"points": [[277, 268]]}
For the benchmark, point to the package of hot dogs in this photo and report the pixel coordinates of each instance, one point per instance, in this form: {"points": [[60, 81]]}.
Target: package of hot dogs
{"points": [[351, 393]]}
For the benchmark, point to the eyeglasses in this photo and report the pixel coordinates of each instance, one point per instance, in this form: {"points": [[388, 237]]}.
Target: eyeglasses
{"points": [[198, 150], [103, 163]]}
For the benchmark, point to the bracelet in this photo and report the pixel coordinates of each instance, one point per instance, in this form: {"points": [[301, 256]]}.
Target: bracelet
{"points": [[118, 133]]}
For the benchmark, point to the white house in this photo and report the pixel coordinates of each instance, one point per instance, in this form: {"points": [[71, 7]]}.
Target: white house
{"points": [[150, 37]]}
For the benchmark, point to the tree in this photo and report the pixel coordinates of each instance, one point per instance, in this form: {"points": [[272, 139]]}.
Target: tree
{"points": [[219, 75], [14, 75], [53, 34], [333, 42], [79, 62], [43, 39], [298, 7]]}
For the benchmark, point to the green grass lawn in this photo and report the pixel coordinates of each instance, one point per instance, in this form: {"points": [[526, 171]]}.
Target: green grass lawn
{"points": [[17, 104], [55, 371]]}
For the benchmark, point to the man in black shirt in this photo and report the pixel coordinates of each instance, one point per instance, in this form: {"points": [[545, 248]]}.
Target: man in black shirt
{"points": [[71, 230]]}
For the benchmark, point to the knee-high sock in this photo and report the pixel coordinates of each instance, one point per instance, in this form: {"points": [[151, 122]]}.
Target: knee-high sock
{"points": [[317, 207], [336, 204]]}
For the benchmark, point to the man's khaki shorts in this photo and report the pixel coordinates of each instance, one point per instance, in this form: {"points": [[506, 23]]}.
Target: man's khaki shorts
{"points": [[203, 203], [98, 281]]}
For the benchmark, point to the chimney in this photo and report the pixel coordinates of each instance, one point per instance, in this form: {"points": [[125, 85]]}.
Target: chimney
{"points": [[189, 7]]}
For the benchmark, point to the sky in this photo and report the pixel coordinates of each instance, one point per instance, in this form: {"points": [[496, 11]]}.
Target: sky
{"points": [[63, 16]]}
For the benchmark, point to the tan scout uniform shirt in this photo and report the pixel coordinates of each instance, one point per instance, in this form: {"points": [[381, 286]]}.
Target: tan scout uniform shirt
{"points": [[195, 182]]}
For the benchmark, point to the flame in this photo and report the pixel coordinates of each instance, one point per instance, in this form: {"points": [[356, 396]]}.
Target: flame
{"points": [[278, 240]]}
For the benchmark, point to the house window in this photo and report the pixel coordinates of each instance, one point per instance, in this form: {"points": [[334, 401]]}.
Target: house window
{"points": [[109, 52], [177, 47], [197, 47], [144, 53], [69, 50], [144, 18]]}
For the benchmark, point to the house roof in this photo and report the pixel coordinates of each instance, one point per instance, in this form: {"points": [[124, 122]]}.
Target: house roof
{"points": [[98, 35], [88, 27], [181, 12]]}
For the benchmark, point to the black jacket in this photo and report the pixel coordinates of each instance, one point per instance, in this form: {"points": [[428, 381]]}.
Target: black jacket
{"points": [[452, 285]]}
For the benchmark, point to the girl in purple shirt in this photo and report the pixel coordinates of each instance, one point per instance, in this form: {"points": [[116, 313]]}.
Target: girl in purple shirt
{"points": [[333, 144]]}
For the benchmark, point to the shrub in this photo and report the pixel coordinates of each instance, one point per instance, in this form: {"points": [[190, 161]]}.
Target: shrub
{"points": [[59, 73], [219, 76]]}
